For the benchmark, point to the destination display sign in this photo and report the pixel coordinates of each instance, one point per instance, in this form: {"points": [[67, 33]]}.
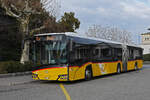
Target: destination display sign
{"points": [[49, 38]]}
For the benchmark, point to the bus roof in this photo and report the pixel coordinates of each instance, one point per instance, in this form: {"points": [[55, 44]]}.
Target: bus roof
{"points": [[85, 38]]}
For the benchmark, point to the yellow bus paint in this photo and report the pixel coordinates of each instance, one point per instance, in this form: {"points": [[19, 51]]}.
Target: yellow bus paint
{"points": [[78, 72], [127, 56], [51, 73], [65, 92]]}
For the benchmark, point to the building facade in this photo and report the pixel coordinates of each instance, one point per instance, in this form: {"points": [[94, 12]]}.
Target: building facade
{"points": [[146, 43]]}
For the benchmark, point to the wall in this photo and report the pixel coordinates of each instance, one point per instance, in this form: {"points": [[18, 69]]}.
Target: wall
{"points": [[146, 39], [146, 43], [146, 49]]}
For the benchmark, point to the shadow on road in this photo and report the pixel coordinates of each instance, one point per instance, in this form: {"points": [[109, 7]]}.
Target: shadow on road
{"points": [[81, 81]]}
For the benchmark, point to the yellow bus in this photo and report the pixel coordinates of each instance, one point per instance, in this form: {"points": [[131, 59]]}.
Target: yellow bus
{"points": [[70, 57]]}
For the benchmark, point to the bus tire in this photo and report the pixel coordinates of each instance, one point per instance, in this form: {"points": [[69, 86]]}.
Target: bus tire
{"points": [[88, 73], [136, 66], [118, 69]]}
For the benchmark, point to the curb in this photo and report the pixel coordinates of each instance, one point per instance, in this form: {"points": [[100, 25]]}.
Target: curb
{"points": [[146, 62], [15, 74]]}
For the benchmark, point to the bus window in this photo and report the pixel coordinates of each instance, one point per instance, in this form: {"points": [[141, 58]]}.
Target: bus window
{"points": [[51, 52], [118, 53], [96, 53], [131, 54], [106, 53], [80, 54], [83, 53], [137, 54]]}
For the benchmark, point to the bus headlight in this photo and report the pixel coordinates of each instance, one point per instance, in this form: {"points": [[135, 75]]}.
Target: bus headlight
{"points": [[63, 76], [34, 75]]}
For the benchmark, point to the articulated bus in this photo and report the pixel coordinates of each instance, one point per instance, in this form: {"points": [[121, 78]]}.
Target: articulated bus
{"points": [[70, 57]]}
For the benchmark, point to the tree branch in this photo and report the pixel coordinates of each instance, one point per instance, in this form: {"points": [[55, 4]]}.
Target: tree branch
{"points": [[9, 12], [35, 12], [13, 7], [29, 9], [36, 29]]}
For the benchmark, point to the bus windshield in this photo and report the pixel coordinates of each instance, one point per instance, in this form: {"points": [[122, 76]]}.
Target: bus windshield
{"points": [[51, 52]]}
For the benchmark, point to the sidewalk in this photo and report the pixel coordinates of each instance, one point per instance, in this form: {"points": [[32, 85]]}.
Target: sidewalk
{"points": [[15, 80], [15, 74]]}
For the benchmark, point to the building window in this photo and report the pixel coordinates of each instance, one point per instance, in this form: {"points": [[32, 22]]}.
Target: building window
{"points": [[146, 39]]}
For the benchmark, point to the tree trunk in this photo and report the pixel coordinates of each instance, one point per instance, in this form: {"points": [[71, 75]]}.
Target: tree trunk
{"points": [[25, 52], [24, 25]]}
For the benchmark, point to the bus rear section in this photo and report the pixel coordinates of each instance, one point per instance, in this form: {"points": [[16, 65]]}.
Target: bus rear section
{"points": [[132, 58], [135, 59]]}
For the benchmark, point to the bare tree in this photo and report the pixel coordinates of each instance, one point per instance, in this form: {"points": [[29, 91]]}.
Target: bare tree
{"points": [[110, 33], [22, 10], [52, 6]]}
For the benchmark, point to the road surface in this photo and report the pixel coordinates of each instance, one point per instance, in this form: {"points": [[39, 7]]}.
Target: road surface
{"points": [[133, 85]]}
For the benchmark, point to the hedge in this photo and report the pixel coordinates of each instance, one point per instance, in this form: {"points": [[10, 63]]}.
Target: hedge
{"points": [[14, 66], [146, 57]]}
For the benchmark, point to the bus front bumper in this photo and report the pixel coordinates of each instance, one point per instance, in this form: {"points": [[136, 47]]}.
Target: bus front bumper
{"points": [[54, 74]]}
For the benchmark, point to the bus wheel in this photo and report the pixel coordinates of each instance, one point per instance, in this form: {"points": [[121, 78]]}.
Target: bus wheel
{"points": [[118, 70], [88, 74]]}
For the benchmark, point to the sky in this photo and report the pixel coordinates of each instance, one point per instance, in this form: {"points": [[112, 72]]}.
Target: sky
{"points": [[130, 15]]}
